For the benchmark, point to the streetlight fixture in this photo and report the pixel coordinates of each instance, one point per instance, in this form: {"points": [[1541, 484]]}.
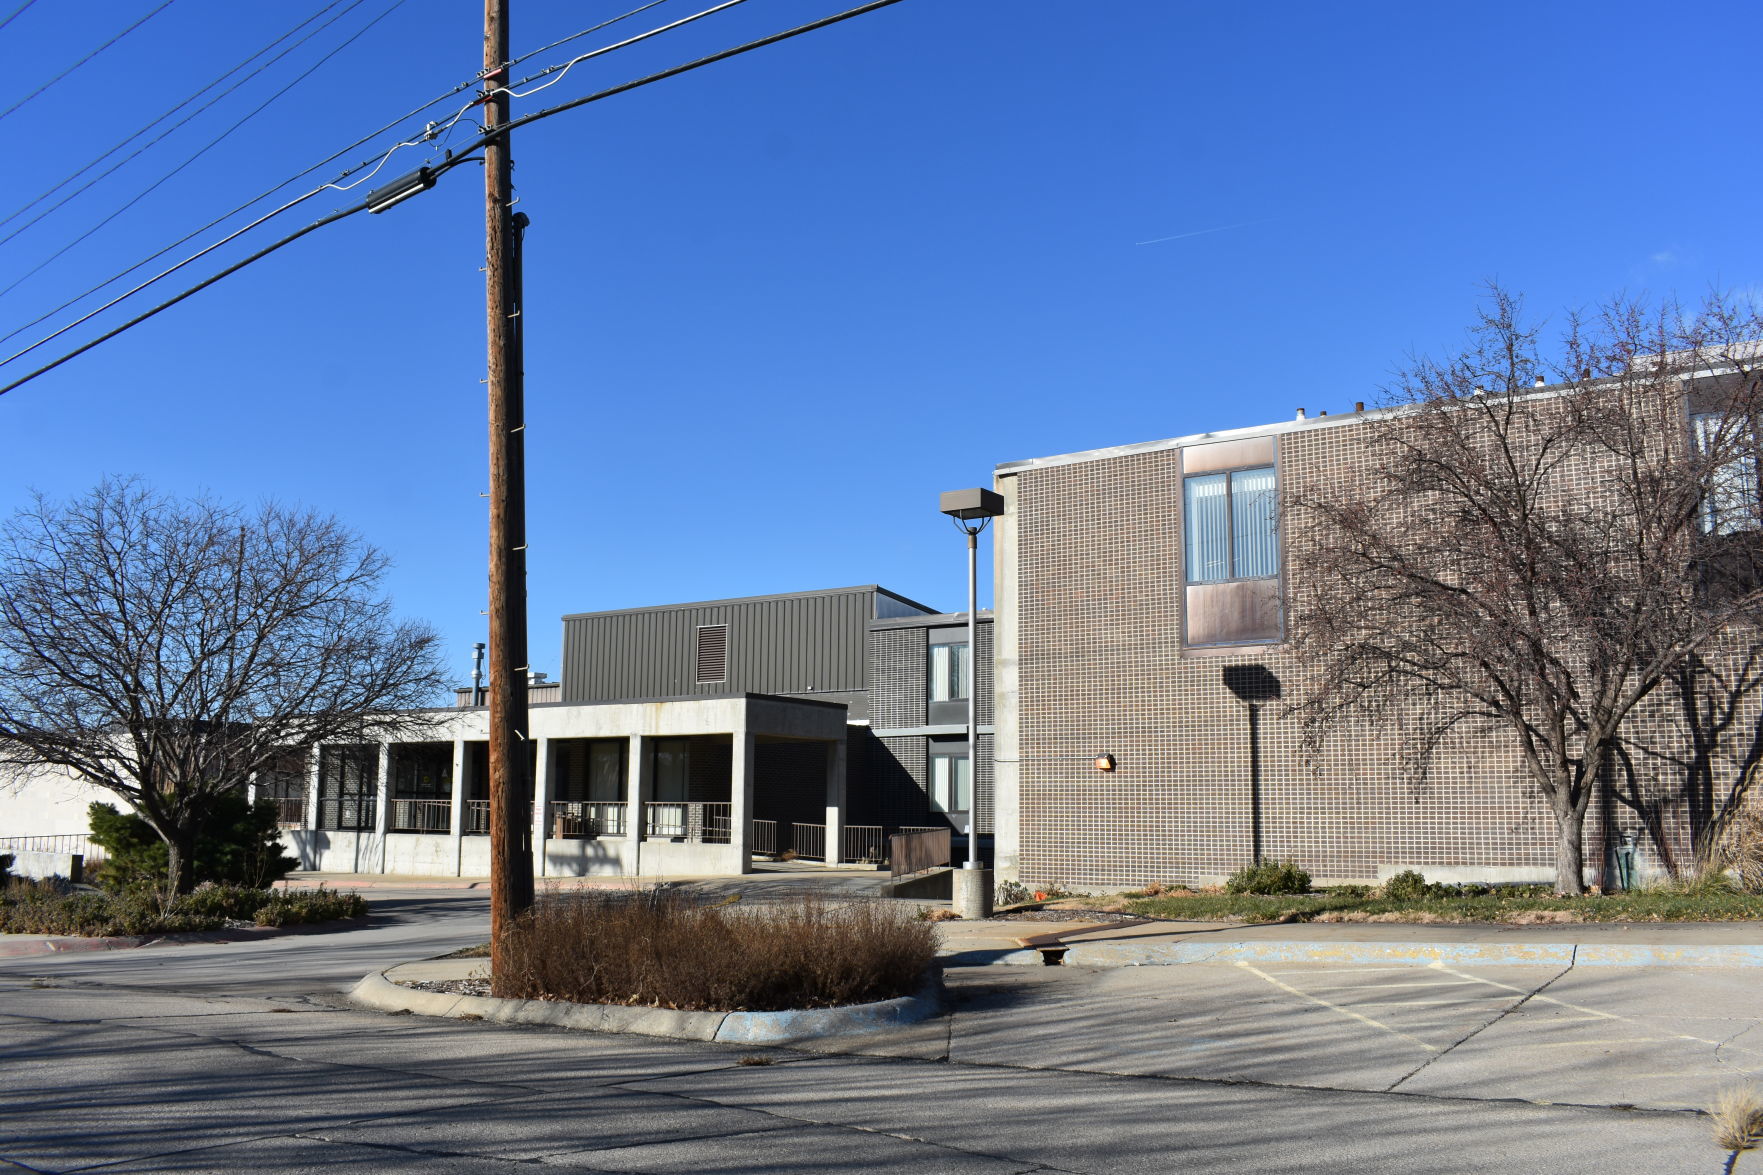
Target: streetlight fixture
{"points": [[972, 510]]}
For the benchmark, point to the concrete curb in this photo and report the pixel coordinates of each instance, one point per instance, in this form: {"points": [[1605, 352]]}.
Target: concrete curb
{"points": [[76, 944], [1417, 954], [376, 991], [68, 946]]}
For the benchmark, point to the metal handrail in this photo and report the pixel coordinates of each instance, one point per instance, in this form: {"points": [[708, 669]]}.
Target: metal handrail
{"points": [[764, 837], [809, 841], [694, 823], [864, 843], [68, 843], [914, 852], [586, 818], [421, 816]]}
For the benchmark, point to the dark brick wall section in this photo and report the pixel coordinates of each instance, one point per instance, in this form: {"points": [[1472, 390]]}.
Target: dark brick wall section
{"points": [[789, 783], [898, 685]]}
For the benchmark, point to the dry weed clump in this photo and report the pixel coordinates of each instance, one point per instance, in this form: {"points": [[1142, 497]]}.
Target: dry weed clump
{"points": [[664, 949], [1542, 917], [1738, 1118], [1742, 850]]}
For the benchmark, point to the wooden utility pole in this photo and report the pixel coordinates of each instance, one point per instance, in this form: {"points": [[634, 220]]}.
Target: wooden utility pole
{"points": [[511, 822]]}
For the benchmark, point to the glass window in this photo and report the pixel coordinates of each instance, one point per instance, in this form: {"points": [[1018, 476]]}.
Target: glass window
{"points": [[951, 783], [1230, 520], [948, 672], [1731, 502], [606, 772], [671, 774]]}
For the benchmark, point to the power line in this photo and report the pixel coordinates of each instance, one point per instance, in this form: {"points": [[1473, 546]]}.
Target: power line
{"points": [[16, 12], [83, 60], [210, 145], [566, 66], [382, 160], [452, 162], [205, 149], [572, 37], [11, 216]]}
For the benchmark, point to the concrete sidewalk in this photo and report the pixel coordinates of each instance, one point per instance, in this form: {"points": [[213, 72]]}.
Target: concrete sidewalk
{"points": [[1142, 942]]}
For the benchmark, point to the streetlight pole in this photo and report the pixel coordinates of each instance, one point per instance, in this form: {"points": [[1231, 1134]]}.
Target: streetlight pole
{"points": [[971, 511]]}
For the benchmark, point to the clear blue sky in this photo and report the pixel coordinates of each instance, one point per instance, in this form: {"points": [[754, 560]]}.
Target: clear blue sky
{"points": [[776, 306]]}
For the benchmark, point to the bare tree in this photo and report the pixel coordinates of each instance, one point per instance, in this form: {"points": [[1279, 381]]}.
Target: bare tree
{"points": [[167, 649], [1541, 542]]}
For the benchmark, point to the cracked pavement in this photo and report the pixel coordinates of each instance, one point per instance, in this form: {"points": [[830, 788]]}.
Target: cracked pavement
{"points": [[223, 1058]]}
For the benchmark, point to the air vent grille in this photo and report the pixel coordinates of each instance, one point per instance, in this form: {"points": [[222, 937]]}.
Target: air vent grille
{"points": [[712, 653]]}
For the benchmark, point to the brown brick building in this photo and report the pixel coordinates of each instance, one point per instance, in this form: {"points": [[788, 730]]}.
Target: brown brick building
{"points": [[1142, 613]]}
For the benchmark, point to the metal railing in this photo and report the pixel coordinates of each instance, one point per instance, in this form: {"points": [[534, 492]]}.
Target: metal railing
{"points": [[421, 816], [765, 837], [694, 823], [477, 817], [865, 843], [917, 850], [290, 811], [585, 818], [348, 813], [809, 841], [71, 843]]}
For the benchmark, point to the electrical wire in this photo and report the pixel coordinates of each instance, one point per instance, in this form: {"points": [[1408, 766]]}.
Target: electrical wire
{"points": [[448, 165], [16, 13], [11, 216], [179, 124], [566, 66], [86, 58], [572, 37], [431, 132], [210, 145]]}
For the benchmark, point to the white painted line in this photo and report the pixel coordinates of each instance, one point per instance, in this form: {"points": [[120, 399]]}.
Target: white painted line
{"points": [[1347, 1012]]}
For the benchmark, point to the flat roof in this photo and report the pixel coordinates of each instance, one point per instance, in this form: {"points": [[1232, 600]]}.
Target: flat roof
{"points": [[932, 620], [862, 587], [1199, 438]]}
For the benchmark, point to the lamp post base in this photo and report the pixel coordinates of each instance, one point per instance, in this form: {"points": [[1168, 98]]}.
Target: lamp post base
{"points": [[972, 893]]}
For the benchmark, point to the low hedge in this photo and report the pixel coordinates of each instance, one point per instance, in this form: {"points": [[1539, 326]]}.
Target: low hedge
{"points": [[53, 907]]}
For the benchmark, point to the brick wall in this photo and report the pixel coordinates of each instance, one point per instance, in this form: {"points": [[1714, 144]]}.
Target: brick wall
{"points": [[1102, 669]]}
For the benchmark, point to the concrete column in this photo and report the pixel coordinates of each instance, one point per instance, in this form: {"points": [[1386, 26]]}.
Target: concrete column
{"points": [[972, 892], [312, 761], [457, 828], [1006, 722], [835, 801], [541, 803], [640, 782], [740, 796], [382, 799]]}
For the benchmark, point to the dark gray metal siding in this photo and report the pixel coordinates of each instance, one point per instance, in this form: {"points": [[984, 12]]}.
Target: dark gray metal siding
{"points": [[793, 645]]}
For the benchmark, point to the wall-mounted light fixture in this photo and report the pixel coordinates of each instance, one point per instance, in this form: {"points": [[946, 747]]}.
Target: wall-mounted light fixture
{"points": [[1104, 762]]}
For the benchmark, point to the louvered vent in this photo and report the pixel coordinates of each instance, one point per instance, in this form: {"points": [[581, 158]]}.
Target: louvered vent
{"points": [[712, 653]]}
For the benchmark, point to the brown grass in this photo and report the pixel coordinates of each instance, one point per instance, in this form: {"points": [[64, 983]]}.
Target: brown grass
{"points": [[1738, 1118], [664, 949], [1742, 850]]}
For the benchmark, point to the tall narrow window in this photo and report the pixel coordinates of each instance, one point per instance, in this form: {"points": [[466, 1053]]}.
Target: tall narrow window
{"points": [[949, 666], [1230, 524], [712, 653], [951, 782], [1731, 503]]}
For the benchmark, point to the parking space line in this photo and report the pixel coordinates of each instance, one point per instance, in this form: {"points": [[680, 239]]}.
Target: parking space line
{"points": [[1347, 1012], [1591, 1013]]}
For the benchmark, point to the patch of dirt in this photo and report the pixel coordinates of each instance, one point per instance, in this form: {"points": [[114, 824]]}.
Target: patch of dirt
{"points": [[1543, 917], [1066, 914], [450, 986]]}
